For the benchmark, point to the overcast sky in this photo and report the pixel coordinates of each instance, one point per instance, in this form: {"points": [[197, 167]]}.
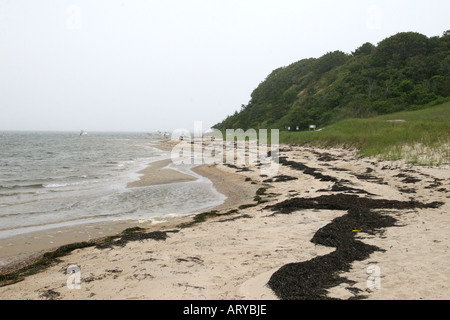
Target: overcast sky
{"points": [[147, 65]]}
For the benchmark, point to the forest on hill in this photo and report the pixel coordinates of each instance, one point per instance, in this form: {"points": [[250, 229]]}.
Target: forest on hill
{"points": [[407, 71]]}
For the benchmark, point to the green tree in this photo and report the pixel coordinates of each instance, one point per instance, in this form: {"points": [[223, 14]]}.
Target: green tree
{"points": [[365, 49], [394, 51]]}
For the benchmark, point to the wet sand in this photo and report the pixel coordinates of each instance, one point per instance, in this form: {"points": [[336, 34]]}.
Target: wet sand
{"points": [[159, 173], [324, 207]]}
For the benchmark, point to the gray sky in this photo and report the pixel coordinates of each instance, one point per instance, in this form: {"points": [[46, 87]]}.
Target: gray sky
{"points": [[147, 65]]}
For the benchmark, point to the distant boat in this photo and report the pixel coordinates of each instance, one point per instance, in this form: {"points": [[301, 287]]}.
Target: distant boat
{"points": [[83, 133]]}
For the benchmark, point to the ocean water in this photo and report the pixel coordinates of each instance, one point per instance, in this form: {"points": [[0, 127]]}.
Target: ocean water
{"points": [[50, 180]]}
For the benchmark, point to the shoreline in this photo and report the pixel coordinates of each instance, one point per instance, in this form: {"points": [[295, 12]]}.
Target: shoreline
{"points": [[22, 249], [236, 254]]}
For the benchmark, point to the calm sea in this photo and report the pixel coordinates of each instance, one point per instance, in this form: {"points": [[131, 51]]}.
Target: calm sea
{"points": [[50, 179]]}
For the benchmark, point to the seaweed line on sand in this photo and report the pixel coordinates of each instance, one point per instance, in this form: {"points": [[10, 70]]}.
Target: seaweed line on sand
{"points": [[306, 170], [50, 258], [309, 280]]}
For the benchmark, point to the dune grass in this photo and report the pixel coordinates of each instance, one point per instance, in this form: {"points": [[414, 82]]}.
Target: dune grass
{"points": [[422, 139]]}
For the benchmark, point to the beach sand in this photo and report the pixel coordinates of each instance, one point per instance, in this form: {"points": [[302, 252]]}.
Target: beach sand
{"points": [[158, 173], [251, 242]]}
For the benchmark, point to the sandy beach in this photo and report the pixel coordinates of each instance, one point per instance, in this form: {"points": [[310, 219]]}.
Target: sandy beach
{"points": [[158, 173], [328, 225]]}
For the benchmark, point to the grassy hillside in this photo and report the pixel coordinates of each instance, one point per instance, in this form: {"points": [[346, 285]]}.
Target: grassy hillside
{"points": [[404, 72], [423, 138]]}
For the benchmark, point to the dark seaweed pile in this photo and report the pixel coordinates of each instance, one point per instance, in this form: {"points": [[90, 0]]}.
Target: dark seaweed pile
{"points": [[306, 170], [310, 280], [135, 235], [280, 178]]}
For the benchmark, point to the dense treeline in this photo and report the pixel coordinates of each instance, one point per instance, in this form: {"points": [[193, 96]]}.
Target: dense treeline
{"points": [[407, 71]]}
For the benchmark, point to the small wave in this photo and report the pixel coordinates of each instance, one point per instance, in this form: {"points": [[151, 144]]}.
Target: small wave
{"points": [[56, 185], [15, 194], [24, 186], [65, 184]]}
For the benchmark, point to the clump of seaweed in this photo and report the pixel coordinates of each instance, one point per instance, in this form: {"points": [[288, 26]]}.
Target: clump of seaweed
{"points": [[324, 157], [201, 217], [281, 178], [261, 191], [132, 234], [306, 170]]}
